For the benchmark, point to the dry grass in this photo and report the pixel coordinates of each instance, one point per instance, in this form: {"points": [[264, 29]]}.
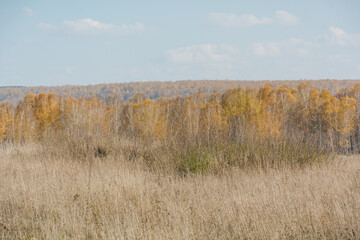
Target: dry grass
{"points": [[51, 197]]}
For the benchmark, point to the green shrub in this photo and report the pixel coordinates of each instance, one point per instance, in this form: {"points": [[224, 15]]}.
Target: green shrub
{"points": [[194, 161]]}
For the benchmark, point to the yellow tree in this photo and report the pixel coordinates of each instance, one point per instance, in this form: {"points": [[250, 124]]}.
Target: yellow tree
{"points": [[268, 120], [47, 113], [238, 109], [355, 93], [25, 122], [148, 119], [4, 122], [328, 110], [346, 121], [213, 121]]}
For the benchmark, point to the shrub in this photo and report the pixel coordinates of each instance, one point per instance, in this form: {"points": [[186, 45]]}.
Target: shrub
{"points": [[195, 161]]}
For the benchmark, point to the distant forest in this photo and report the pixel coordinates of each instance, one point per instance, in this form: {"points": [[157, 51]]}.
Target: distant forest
{"points": [[155, 90]]}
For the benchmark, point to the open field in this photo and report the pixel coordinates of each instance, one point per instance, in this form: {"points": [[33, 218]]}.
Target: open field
{"points": [[52, 197], [105, 133]]}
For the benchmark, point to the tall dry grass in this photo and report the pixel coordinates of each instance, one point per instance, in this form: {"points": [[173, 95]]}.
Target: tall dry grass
{"points": [[49, 196]]}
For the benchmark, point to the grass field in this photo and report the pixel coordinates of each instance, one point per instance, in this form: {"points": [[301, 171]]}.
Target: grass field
{"points": [[52, 197]]}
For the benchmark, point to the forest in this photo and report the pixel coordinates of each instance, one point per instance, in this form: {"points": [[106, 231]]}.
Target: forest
{"points": [[240, 117], [153, 90]]}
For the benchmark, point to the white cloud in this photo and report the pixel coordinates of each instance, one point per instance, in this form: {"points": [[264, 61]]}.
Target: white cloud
{"points": [[87, 24], [233, 20], [291, 46], [339, 37], [203, 53], [90, 26], [28, 11], [248, 20], [286, 18], [300, 48], [46, 26]]}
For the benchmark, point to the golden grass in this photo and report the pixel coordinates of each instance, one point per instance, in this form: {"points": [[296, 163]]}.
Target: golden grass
{"points": [[51, 197]]}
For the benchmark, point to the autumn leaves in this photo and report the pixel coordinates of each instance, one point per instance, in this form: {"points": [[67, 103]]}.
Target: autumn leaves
{"points": [[278, 114]]}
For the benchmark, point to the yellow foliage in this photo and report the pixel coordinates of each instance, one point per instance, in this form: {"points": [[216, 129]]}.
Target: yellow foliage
{"points": [[4, 121], [264, 113]]}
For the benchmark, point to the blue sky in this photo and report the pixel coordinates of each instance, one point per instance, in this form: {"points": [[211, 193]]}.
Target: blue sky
{"points": [[88, 42]]}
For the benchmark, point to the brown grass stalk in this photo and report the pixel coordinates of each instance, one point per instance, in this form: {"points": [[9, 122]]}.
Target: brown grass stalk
{"points": [[54, 197]]}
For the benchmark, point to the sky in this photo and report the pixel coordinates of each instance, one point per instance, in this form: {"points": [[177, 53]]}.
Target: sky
{"points": [[89, 42]]}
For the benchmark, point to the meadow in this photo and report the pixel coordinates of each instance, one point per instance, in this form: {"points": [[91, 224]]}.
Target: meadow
{"points": [[50, 196]]}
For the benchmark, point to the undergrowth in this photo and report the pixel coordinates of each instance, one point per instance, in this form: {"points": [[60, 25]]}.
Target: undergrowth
{"points": [[193, 158]]}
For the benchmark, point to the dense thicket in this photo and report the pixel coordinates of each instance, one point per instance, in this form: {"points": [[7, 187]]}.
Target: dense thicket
{"points": [[154, 90], [243, 127]]}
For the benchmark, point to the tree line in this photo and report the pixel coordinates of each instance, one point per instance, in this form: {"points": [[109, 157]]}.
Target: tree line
{"points": [[277, 114], [153, 90]]}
